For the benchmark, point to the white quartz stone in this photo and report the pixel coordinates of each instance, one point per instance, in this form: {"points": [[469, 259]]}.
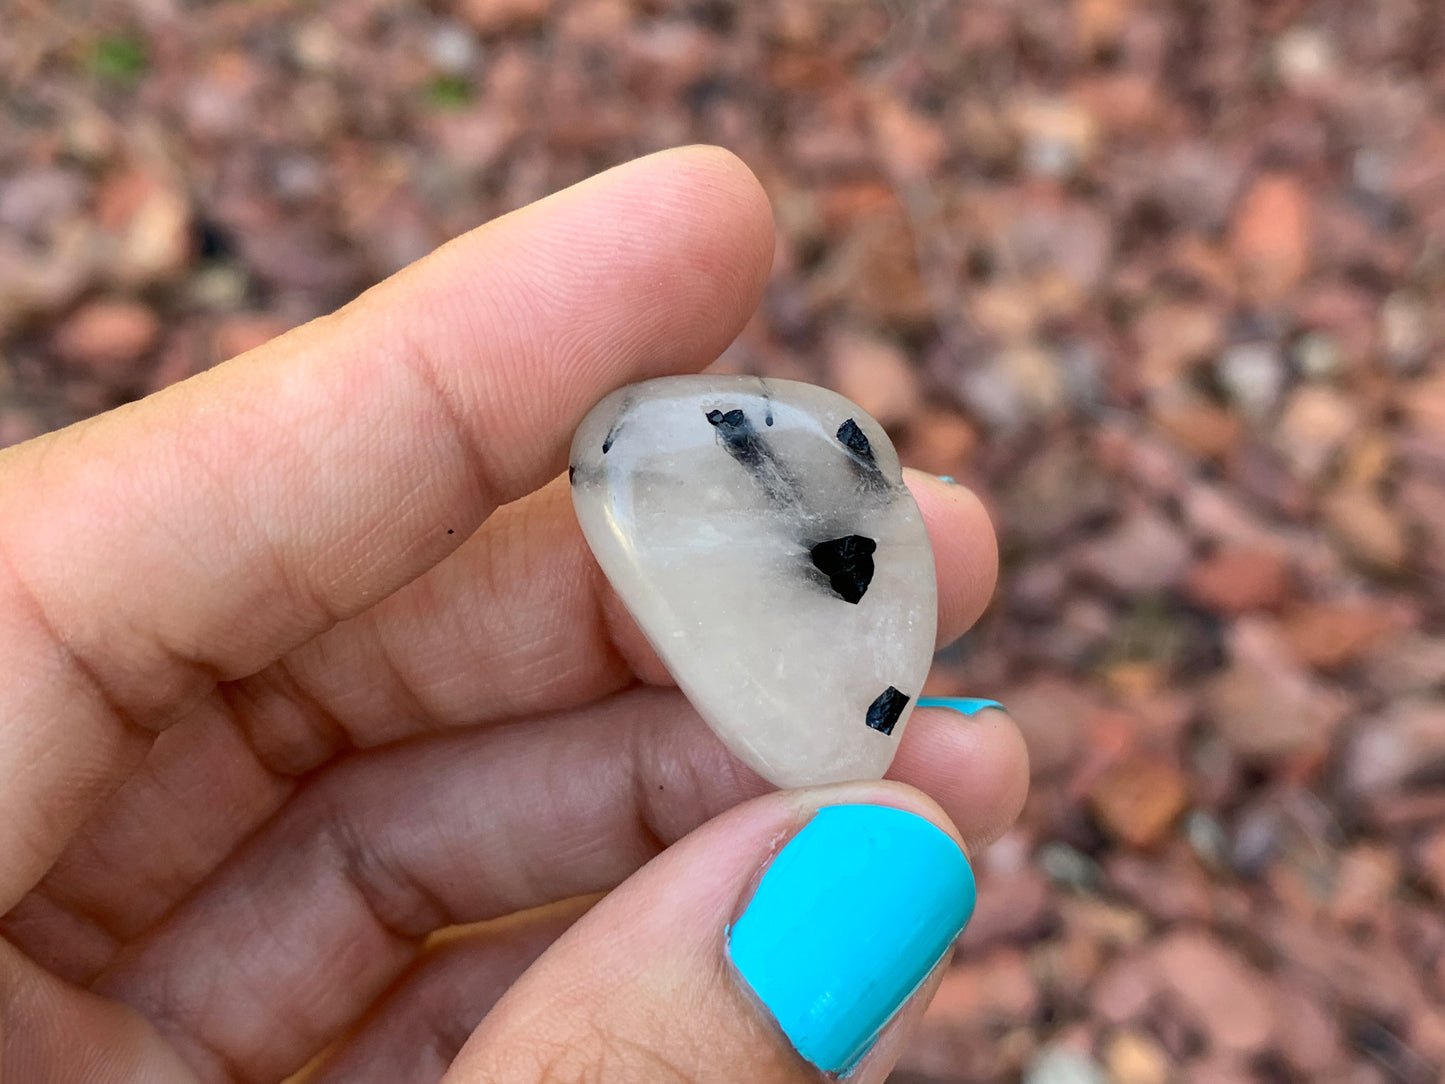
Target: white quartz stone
{"points": [[734, 517]]}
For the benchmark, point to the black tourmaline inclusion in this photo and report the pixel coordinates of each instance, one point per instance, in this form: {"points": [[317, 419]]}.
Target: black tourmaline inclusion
{"points": [[739, 438], [883, 713], [855, 440], [848, 564], [860, 456], [743, 443]]}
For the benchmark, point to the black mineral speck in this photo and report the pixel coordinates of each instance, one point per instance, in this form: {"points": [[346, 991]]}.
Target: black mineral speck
{"points": [[739, 437], [742, 442], [860, 457], [848, 564], [883, 713], [855, 440], [607, 442]]}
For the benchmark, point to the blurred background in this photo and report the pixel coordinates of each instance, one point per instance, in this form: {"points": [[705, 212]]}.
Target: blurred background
{"points": [[1160, 278]]}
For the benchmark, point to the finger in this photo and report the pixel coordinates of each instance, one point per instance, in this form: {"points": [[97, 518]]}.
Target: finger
{"points": [[54, 1033], [290, 941], [774, 944], [414, 1032], [202, 533], [976, 766], [519, 621], [965, 550], [200, 791]]}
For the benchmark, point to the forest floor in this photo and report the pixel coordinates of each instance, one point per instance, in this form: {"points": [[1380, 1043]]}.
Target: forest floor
{"points": [[1161, 280]]}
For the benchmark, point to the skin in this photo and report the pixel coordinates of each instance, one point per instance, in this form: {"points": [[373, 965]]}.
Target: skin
{"points": [[306, 660]]}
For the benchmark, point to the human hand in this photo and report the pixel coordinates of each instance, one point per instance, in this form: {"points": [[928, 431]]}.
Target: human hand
{"points": [[306, 658]]}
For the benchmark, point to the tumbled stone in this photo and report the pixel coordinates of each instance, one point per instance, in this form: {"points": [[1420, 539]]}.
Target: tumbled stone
{"points": [[760, 534]]}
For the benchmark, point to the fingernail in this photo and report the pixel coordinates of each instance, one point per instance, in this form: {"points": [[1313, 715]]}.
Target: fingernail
{"points": [[847, 922], [947, 478], [964, 705]]}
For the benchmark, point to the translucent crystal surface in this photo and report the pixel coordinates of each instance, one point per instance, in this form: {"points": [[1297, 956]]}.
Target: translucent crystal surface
{"points": [[760, 534]]}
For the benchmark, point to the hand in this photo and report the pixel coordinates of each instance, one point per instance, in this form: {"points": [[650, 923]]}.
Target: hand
{"points": [[306, 659]]}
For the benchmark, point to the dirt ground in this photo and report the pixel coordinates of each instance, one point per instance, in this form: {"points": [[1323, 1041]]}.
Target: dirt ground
{"points": [[1161, 280]]}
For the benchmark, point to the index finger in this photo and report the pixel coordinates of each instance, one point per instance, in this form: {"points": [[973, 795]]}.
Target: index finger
{"points": [[200, 534]]}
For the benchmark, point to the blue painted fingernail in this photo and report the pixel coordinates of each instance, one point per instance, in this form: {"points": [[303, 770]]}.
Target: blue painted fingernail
{"points": [[947, 478], [964, 705], [847, 922]]}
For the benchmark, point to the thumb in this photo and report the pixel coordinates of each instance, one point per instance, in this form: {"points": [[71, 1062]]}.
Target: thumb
{"points": [[793, 936]]}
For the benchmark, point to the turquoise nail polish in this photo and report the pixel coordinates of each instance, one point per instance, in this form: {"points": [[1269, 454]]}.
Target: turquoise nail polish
{"points": [[847, 922], [947, 478], [964, 705]]}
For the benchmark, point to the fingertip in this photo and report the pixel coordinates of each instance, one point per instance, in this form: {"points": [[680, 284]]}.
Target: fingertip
{"points": [[811, 946], [965, 550], [716, 189], [723, 171], [1009, 788], [975, 765], [779, 938]]}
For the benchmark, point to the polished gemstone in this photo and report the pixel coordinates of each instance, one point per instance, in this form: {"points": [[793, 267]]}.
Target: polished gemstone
{"points": [[760, 533]]}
